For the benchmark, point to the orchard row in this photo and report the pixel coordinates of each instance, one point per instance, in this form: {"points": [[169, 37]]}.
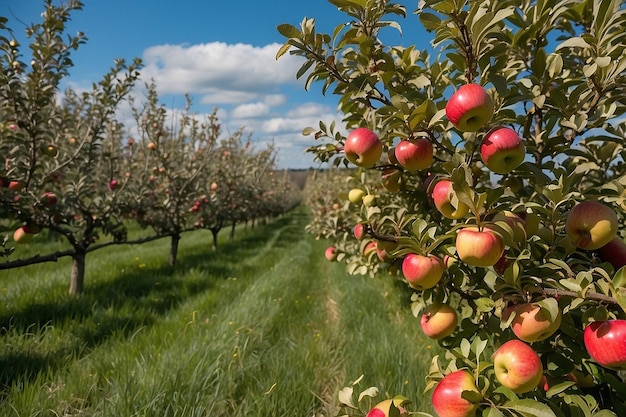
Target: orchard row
{"points": [[73, 170]]}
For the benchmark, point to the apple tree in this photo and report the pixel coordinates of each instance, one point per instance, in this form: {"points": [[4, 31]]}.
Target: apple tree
{"points": [[500, 145]]}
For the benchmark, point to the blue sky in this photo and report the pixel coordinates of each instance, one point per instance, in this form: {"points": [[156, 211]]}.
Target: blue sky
{"points": [[220, 52]]}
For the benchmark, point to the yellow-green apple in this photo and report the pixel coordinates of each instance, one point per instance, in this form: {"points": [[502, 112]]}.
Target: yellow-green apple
{"points": [[605, 342], [392, 179], [422, 272], [614, 252], [362, 147], [20, 235], [49, 150], [517, 366], [531, 322], [369, 200], [479, 247], [502, 150], [438, 320], [382, 409], [356, 195], [446, 200], [415, 154], [591, 225], [49, 199], [448, 398], [331, 253], [470, 108], [360, 231]]}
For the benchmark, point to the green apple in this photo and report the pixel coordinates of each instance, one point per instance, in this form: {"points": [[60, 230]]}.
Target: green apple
{"points": [[356, 195], [517, 366], [447, 398], [591, 225], [438, 320]]}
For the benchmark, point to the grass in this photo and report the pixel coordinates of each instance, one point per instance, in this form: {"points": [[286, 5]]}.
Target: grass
{"points": [[264, 326]]}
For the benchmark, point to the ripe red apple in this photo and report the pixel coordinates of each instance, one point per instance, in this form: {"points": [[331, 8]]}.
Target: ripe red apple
{"points": [[49, 199], [479, 247], [438, 320], [613, 252], [447, 396], [422, 272], [470, 108], [605, 342], [415, 154], [382, 409], [213, 187], [591, 225], [360, 231], [446, 200], [369, 248], [152, 146], [363, 148], [531, 322], [331, 253], [517, 366], [49, 150], [502, 150], [113, 185], [16, 185], [20, 235]]}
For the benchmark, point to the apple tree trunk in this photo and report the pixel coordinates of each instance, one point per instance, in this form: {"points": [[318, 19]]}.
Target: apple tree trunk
{"points": [[77, 278], [174, 249], [214, 232]]}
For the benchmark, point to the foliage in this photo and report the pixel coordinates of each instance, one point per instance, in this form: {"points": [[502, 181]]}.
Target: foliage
{"points": [[556, 71]]}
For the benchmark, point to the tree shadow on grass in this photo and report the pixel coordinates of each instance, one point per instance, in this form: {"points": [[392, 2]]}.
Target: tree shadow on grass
{"points": [[134, 299]]}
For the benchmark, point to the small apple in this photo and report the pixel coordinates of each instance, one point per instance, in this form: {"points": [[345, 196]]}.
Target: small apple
{"points": [[591, 225], [382, 409], [331, 253], [16, 185], [422, 272], [392, 179], [531, 322], [356, 195], [479, 247], [49, 150], [415, 154], [49, 199], [20, 235], [447, 398], [613, 252], [213, 187], [369, 248], [605, 342], [517, 366], [369, 200], [446, 200], [152, 146], [113, 184], [383, 254], [363, 148], [502, 150], [438, 320], [470, 108], [360, 231]]}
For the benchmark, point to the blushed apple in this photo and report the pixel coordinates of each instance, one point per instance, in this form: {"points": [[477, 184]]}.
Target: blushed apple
{"points": [[517, 366], [614, 252], [438, 320], [479, 247], [363, 148], [422, 272], [470, 108], [331, 253], [369, 248], [531, 322], [591, 225], [360, 231], [446, 200], [383, 408], [502, 150], [20, 235], [447, 398], [605, 342], [415, 154]]}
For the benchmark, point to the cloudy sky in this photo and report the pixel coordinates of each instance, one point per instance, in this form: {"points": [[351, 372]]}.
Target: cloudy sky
{"points": [[220, 52]]}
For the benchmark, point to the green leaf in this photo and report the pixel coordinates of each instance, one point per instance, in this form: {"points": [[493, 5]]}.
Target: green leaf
{"points": [[288, 31], [530, 408], [430, 21]]}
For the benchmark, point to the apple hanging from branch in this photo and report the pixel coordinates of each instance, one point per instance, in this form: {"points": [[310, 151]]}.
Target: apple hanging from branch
{"points": [[363, 148], [470, 108]]}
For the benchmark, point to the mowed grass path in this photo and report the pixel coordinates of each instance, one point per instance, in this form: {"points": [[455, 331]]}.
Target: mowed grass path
{"points": [[265, 326]]}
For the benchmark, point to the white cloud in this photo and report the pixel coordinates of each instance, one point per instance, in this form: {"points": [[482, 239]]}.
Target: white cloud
{"points": [[250, 110]]}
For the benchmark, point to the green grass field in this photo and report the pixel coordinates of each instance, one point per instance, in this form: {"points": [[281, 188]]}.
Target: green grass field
{"points": [[265, 326]]}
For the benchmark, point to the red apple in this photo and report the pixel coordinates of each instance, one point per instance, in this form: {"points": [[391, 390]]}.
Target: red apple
{"points": [[614, 252], [16, 185], [360, 231], [422, 272], [213, 187], [446, 200], [49, 199], [438, 320], [20, 235], [470, 108], [502, 150], [605, 342], [531, 322], [382, 409], [113, 185], [415, 154], [152, 146], [369, 248], [448, 398], [331, 253], [517, 366], [591, 225], [479, 247], [363, 148]]}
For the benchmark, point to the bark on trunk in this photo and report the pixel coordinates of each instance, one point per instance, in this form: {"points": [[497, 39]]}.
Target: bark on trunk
{"points": [[214, 232], [232, 230], [174, 249], [77, 278]]}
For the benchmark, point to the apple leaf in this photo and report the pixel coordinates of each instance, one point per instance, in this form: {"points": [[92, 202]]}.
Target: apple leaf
{"points": [[288, 31], [604, 413], [370, 392], [549, 307], [530, 408], [493, 412], [472, 396], [345, 396]]}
